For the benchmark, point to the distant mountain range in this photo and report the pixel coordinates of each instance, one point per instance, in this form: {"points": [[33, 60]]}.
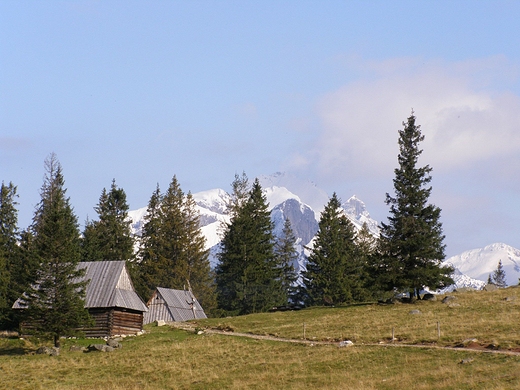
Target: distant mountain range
{"points": [[302, 201]]}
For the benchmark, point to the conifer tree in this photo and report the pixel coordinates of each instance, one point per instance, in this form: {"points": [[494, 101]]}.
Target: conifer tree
{"points": [[9, 251], [287, 255], [249, 278], [499, 276], [412, 241], [366, 250], [173, 252], [332, 275], [55, 301], [109, 238]]}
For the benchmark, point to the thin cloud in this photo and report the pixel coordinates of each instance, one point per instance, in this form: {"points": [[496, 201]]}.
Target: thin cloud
{"points": [[463, 119]]}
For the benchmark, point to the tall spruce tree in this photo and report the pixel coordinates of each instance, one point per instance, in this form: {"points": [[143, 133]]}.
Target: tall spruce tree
{"points": [[173, 253], [412, 241], [249, 278], [287, 256], [109, 238], [332, 275], [9, 250], [55, 301]]}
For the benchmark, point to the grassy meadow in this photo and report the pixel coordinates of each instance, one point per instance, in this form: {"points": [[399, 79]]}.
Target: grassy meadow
{"points": [[171, 358]]}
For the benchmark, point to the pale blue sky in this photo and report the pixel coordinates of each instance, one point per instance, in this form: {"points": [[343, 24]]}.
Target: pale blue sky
{"points": [[140, 91]]}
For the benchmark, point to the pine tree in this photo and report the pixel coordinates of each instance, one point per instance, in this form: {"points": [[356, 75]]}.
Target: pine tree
{"points": [[366, 250], [332, 275], [499, 276], [173, 253], [55, 300], [248, 275], [287, 256], [9, 250], [109, 238], [412, 242]]}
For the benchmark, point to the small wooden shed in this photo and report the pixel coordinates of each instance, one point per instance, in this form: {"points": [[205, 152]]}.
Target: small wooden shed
{"points": [[110, 299], [173, 305]]}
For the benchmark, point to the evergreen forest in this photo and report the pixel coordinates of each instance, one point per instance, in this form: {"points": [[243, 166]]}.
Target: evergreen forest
{"points": [[255, 271]]}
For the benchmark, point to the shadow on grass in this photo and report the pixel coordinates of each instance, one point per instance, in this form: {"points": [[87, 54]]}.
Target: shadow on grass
{"points": [[15, 351]]}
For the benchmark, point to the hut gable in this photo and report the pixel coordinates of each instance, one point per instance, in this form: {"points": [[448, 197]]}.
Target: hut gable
{"points": [[173, 305], [110, 286]]}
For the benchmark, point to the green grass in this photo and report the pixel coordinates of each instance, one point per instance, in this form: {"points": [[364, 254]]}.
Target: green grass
{"points": [[168, 358]]}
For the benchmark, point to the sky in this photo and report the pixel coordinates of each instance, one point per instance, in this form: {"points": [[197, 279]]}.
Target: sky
{"points": [[142, 91]]}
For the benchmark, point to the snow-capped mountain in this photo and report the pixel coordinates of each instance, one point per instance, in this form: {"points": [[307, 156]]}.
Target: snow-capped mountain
{"points": [[480, 263], [284, 203]]}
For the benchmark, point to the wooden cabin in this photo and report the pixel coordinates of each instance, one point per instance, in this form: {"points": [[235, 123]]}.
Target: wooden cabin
{"points": [[173, 305], [110, 299]]}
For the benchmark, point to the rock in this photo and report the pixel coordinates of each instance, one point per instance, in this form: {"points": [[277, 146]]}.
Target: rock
{"points": [[466, 361], [448, 298], [160, 322], [429, 297], [414, 312], [490, 287], [51, 351], [509, 299], [100, 348], [114, 343], [346, 343], [77, 348]]}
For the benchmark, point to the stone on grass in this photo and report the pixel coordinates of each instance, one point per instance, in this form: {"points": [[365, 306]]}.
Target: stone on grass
{"points": [[114, 343], [490, 287], [429, 297], [448, 299], [160, 322], [51, 351], [100, 348], [345, 343], [415, 311]]}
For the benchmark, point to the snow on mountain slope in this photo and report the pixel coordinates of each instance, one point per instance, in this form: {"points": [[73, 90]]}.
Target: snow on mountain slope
{"points": [[479, 263], [284, 203], [357, 212], [307, 191]]}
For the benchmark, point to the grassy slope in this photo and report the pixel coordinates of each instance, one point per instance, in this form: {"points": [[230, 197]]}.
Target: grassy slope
{"points": [[168, 358]]}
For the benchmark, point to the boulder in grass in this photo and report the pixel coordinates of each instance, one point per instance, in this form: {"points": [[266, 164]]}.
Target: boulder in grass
{"points": [[114, 343], [345, 343], [429, 297], [448, 299], [51, 351], [100, 348]]}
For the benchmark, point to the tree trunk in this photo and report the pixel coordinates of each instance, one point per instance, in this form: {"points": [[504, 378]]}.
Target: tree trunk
{"points": [[56, 341]]}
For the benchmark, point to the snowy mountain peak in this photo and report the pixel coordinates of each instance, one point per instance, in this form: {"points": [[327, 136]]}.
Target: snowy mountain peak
{"points": [[481, 262], [215, 200]]}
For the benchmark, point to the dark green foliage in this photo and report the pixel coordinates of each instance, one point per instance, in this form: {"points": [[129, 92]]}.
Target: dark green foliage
{"points": [[172, 250], [56, 299], [109, 238], [333, 269], [249, 278], [9, 250], [499, 276], [286, 257], [412, 246], [366, 251]]}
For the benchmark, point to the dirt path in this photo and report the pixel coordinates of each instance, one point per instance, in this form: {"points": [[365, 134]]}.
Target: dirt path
{"points": [[472, 348]]}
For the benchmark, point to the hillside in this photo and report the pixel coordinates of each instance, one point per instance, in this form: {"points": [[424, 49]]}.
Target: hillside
{"points": [[477, 348]]}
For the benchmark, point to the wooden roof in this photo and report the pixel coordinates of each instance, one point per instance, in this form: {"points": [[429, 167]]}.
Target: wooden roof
{"points": [[110, 286], [181, 303]]}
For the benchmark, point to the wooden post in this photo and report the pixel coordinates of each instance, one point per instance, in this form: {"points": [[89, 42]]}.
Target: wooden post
{"points": [[304, 331], [438, 330], [393, 334]]}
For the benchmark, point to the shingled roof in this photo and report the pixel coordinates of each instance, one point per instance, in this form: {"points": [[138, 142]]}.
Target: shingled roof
{"points": [[110, 286]]}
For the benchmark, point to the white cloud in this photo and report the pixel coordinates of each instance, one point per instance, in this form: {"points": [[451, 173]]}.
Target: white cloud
{"points": [[464, 121]]}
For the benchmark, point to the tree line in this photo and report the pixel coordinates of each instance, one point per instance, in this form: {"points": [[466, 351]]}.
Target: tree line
{"points": [[255, 269]]}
